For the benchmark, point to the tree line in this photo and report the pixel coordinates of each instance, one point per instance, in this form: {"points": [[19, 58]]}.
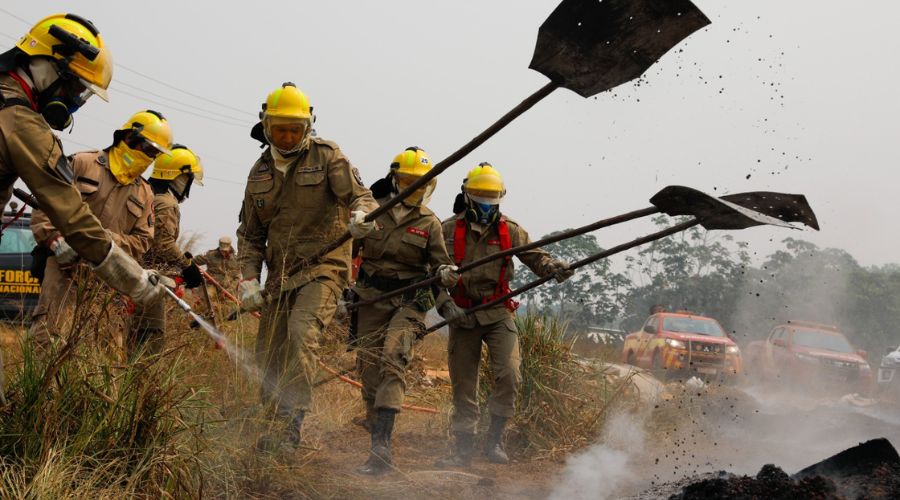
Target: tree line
{"points": [[710, 273]]}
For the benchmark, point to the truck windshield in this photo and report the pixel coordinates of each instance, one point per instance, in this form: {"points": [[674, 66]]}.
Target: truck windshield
{"points": [[817, 339], [692, 325], [16, 240]]}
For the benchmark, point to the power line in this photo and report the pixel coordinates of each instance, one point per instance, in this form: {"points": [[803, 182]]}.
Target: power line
{"points": [[239, 110], [10, 14], [142, 98], [182, 103], [148, 77]]}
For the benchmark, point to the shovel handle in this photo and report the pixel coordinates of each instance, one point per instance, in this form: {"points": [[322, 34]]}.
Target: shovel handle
{"points": [[442, 165], [636, 214], [575, 265]]}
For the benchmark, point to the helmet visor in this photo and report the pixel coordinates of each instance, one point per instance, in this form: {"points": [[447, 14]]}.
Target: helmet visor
{"points": [[486, 197], [148, 147], [92, 89]]}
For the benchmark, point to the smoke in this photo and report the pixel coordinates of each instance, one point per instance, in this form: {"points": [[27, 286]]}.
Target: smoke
{"points": [[602, 470], [806, 284]]}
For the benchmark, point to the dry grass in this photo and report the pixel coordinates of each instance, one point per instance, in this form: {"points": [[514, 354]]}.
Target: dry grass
{"points": [[81, 424]]}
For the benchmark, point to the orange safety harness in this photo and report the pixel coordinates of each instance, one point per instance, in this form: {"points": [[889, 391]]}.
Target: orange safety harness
{"points": [[459, 254]]}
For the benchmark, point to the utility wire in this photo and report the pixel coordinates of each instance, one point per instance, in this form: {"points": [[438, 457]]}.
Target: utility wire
{"points": [[239, 110], [182, 103], [148, 77], [142, 98]]}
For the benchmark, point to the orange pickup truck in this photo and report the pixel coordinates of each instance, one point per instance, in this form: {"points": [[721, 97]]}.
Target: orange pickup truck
{"points": [[810, 356], [682, 343]]}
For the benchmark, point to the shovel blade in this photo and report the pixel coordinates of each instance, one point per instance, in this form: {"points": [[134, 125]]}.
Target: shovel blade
{"points": [[714, 213], [589, 46], [787, 207]]}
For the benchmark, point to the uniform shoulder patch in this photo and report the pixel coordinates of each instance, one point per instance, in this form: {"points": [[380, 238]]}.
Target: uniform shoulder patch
{"points": [[357, 176], [417, 231]]}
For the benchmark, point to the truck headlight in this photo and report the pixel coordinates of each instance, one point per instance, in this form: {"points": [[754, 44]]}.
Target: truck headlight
{"points": [[674, 343], [733, 349]]}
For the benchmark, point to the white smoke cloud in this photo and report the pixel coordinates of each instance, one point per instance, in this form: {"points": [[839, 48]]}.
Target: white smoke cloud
{"points": [[605, 468]]}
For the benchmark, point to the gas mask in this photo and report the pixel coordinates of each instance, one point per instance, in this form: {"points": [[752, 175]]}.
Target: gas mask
{"points": [[60, 95], [482, 211]]}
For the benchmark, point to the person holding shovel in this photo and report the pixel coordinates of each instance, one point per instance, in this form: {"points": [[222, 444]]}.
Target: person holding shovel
{"points": [[479, 229], [301, 194], [407, 247]]}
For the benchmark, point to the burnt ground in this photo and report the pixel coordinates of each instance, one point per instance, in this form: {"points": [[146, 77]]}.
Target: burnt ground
{"points": [[700, 434]]}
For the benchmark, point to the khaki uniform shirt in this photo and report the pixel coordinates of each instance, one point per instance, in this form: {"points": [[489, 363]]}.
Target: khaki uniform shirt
{"points": [[31, 151], [165, 254], [125, 211], [481, 282], [226, 271], [286, 218], [409, 248]]}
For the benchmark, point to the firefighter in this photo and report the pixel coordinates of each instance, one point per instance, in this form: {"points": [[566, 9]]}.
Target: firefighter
{"points": [[171, 181], [50, 73], [408, 246], [111, 184], [301, 194], [477, 230], [221, 263]]}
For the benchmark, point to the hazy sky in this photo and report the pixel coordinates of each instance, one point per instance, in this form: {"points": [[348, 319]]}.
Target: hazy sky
{"points": [[800, 96]]}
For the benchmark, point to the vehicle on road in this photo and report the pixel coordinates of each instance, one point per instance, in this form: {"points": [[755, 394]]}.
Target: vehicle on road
{"points": [[19, 290], [683, 344], [810, 356], [889, 373]]}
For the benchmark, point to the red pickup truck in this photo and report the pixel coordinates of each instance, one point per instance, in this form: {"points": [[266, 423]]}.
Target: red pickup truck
{"points": [[809, 356]]}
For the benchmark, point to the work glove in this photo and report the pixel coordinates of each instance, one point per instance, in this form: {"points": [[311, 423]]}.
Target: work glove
{"points": [[191, 274], [359, 228], [456, 316], [65, 255], [560, 270], [250, 293], [120, 271], [448, 275]]}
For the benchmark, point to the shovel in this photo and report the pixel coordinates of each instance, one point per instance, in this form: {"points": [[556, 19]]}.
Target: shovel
{"points": [[584, 46], [673, 200], [710, 212]]}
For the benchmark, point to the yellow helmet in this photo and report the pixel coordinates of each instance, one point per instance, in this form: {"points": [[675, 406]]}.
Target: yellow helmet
{"points": [[406, 168], [287, 101], [484, 184], [77, 45], [412, 161], [180, 161], [151, 126]]}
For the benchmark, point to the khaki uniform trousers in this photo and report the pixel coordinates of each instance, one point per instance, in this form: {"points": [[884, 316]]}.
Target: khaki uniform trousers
{"points": [[289, 333], [464, 357], [386, 333]]}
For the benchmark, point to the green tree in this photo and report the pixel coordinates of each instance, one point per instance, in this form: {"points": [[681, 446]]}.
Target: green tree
{"points": [[696, 270], [592, 297]]}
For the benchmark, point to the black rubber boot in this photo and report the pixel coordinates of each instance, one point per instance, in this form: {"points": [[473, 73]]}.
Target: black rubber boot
{"points": [[493, 444], [288, 437], [380, 460], [461, 456]]}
